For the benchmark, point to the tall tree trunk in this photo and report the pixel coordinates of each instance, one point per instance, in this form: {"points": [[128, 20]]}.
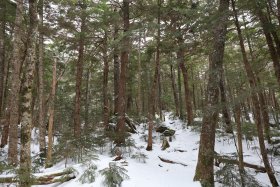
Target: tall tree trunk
{"points": [[174, 89], [269, 40], [2, 51], [182, 116], [139, 79], [26, 123], [14, 80], [181, 62], [264, 112], [51, 116], [79, 76], [204, 169], [105, 83], [122, 81], [116, 69], [239, 142], [42, 126], [225, 110], [255, 100], [152, 105], [87, 99]]}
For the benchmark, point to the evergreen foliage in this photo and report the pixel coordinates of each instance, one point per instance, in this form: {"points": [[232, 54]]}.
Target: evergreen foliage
{"points": [[114, 175], [140, 157], [230, 176], [89, 175]]}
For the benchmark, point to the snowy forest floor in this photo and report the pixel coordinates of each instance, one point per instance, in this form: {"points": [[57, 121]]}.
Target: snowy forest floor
{"points": [[152, 172]]}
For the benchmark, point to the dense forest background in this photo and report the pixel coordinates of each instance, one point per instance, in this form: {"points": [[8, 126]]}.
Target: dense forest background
{"points": [[85, 72]]}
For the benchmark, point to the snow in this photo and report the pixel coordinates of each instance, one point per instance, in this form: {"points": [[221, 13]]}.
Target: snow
{"points": [[160, 174]]}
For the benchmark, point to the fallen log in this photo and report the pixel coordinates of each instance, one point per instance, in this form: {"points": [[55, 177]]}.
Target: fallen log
{"points": [[224, 159], [171, 161], [61, 177]]}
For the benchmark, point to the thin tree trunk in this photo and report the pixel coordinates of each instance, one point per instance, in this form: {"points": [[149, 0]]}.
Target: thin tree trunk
{"points": [[139, 79], [182, 116], [51, 116], [105, 84], [188, 97], [26, 123], [264, 112], [79, 76], [116, 71], [122, 81], [204, 169], [87, 100], [14, 80], [175, 91], [152, 105], [255, 100], [2, 52], [42, 126]]}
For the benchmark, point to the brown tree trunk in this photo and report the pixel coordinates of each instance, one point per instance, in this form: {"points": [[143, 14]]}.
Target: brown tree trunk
{"points": [[105, 83], [139, 80], [79, 76], [2, 52], [182, 116], [255, 100], [122, 81], [42, 126], [225, 110], [51, 116], [204, 169], [269, 40], [14, 80], [26, 122], [87, 98], [152, 105], [239, 136], [181, 62], [116, 70], [175, 91], [264, 112]]}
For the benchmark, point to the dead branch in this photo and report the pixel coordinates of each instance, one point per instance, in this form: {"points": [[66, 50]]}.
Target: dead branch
{"points": [[171, 161], [224, 159]]}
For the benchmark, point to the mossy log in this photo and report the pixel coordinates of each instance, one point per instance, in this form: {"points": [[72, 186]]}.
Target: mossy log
{"points": [[61, 177]]}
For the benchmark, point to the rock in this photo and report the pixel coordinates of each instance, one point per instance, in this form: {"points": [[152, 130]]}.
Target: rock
{"points": [[169, 132], [161, 129]]}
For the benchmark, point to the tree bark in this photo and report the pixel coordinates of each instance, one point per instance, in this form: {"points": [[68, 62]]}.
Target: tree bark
{"points": [[122, 81], [51, 116], [182, 116], [255, 100], [225, 110], [105, 83], [152, 105], [269, 40], [204, 169], [42, 126], [181, 62], [14, 80], [79, 75], [26, 122], [139, 79], [116, 69], [2, 52], [175, 91]]}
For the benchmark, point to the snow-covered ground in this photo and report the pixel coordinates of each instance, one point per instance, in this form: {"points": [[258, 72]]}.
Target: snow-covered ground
{"points": [[154, 172]]}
